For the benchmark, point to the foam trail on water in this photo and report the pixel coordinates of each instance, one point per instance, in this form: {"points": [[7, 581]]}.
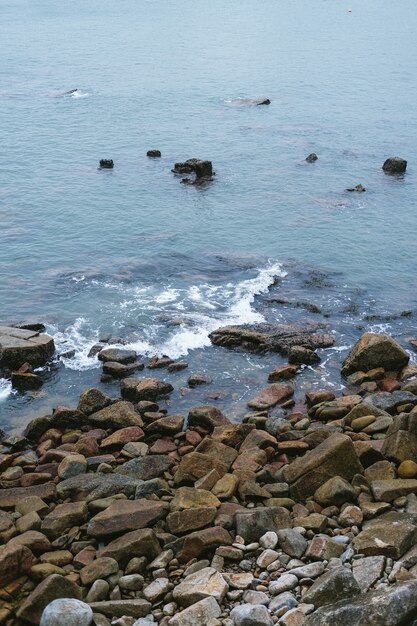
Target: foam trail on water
{"points": [[5, 388], [76, 337]]}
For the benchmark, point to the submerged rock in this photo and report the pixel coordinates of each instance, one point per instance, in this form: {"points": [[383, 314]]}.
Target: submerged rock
{"points": [[312, 157], [106, 164], [357, 188], [153, 153], [395, 165]]}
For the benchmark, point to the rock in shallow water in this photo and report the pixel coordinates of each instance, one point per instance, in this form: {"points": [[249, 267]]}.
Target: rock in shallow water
{"points": [[67, 612], [18, 346]]}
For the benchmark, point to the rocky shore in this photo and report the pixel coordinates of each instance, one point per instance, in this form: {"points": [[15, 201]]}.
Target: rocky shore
{"points": [[117, 512]]}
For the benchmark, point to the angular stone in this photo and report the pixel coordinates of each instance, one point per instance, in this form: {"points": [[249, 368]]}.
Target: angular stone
{"points": [[72, 465], [198, 614], [117, 355], [368, 571], [337, 584], [336, 456], [381, 470], [232, 435], [204, 583], [389, 490], [270, 396], [156, 590], [9, 498], [292, 542], [225, 487], [137, 543], [201, 542], [64, 517], [391, 606], [18, 346], [375, 350], [50, 589], [152, 389], [126, 515], [334, 409], [92, 400], [34, 540], [180, 522], [391, 535], [389, 402], [122, 436], [169, 425], [217, 450], [324, 548], [282, 372], [190, 498], [101, 567], [118, 415], [208, 417], [335, 491], [401, 439], [15, 561], [196, 465], [147, 467], [254, 523]]}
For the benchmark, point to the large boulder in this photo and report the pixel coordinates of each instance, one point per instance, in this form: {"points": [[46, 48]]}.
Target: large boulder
{"points": [[335, 456], [272, 337], [68, 612], [18, 346], [270, 396], [375, 350], [254, 523], [337, 584], [394, 606], [395, 165]]}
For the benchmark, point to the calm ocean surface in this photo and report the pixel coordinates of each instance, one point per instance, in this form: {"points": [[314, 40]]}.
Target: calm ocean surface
{"points": [[131, 250]]}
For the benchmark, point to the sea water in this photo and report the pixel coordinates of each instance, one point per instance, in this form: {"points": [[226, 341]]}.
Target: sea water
{"points": [[133, 252]]}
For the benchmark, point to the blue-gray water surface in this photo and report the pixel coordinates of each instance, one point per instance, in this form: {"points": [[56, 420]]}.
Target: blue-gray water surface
{"points": [[132, 251]]}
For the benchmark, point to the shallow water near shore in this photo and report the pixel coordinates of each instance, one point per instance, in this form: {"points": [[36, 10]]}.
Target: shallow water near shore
{"points": [[133, 252]]}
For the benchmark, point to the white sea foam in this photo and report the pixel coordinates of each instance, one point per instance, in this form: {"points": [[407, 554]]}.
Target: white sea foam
{"points": [[202, 308], [5, 388], [79, 94]]}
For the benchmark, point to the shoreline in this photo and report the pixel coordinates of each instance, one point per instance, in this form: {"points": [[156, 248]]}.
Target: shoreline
{"points": [[137, 511]]}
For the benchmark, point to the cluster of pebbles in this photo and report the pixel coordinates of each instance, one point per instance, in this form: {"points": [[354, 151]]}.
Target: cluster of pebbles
{"points": [[118, 513]]}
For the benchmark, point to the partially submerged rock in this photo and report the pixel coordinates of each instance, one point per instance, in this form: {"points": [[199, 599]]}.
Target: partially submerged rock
{"points": [[395, 165], [375, 350], [19, 346]]}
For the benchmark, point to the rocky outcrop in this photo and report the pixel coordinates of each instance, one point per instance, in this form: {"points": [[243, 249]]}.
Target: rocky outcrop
{"points": [[19, 346], [271, 337]]}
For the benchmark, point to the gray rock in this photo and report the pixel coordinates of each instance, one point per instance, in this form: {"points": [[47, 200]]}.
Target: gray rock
{"points": [[251, 614], [255, 597], [67, 612], [91, 487], [206, 582], [312, 570], [395, 165], [337, 584], [394, 606], [146, 468], [283, 599], [99, 590], [18, 346], [118, 608], [391, 535], [253, 524], [389, 402], [284, 583], [198, 614], [292, 542], [117, 355], [368, 570]]}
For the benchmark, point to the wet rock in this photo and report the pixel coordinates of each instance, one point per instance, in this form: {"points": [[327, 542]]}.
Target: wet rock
{"points": [[92, 400], [138, 543], [154, 153], [391, 535], [67, 612], [271, 337], [204, 583], [106, 164], [392, 606], [52, 588], [126, 515], [196, 465], [312, 157], [270, 396], [208, 417], [359, 188], [19, 346], [254, 523], [118, 370], [300, 355], [263, 102], [395, 165], [199, 379], [117, 355], [202, 169], [282, 372], [337, 584], [198, 614], [15, 561], [118, 415], [170, 425], [145, 389], [375, 350], [336, 456], [26, 380]]}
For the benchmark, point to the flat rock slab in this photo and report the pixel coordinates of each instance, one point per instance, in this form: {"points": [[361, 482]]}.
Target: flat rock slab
{"points": [[10, 497], [391, 535], [18, 346], [391, 607], [272, 337], [118, 608], [270, 396], [126, 515], [137, 543], [92, 487]]}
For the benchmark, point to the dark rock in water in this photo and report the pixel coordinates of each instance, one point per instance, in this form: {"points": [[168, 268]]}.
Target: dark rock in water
{"points": [[106, 164], [201, 168], [272, 337], [116, 355], [299, 355], [199, 379], [18, 346], [118, 370], [357, 188], [70, 354], [146, 389], [95, 349], [153, 153], [312, 157], [375, 350], [395, 165], [25, 380], [266, 101], [393, 606], [36, 326]]}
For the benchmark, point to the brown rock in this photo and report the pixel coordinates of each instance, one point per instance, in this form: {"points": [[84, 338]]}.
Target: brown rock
{"points": [[92, 401], [50, 589], [375, 350], [15, 561], [282, 372], [169, 425], [208, 417], [122, 436], [32, 539], [137, 543], [202, 542], [196, 465], [389, 490], [18, 346], [391, 535], [144, 389], [63, 517], [10, 497], [232, 435], [118, 415], [217, 450], [181, 522], [270, 396]]}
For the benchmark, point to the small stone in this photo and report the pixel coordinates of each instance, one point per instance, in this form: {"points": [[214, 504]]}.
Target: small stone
{"points": [[251, 614], [156, 590], [72, 465], [407, 469], [99, 590], [269, 540], [284, 583]]}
